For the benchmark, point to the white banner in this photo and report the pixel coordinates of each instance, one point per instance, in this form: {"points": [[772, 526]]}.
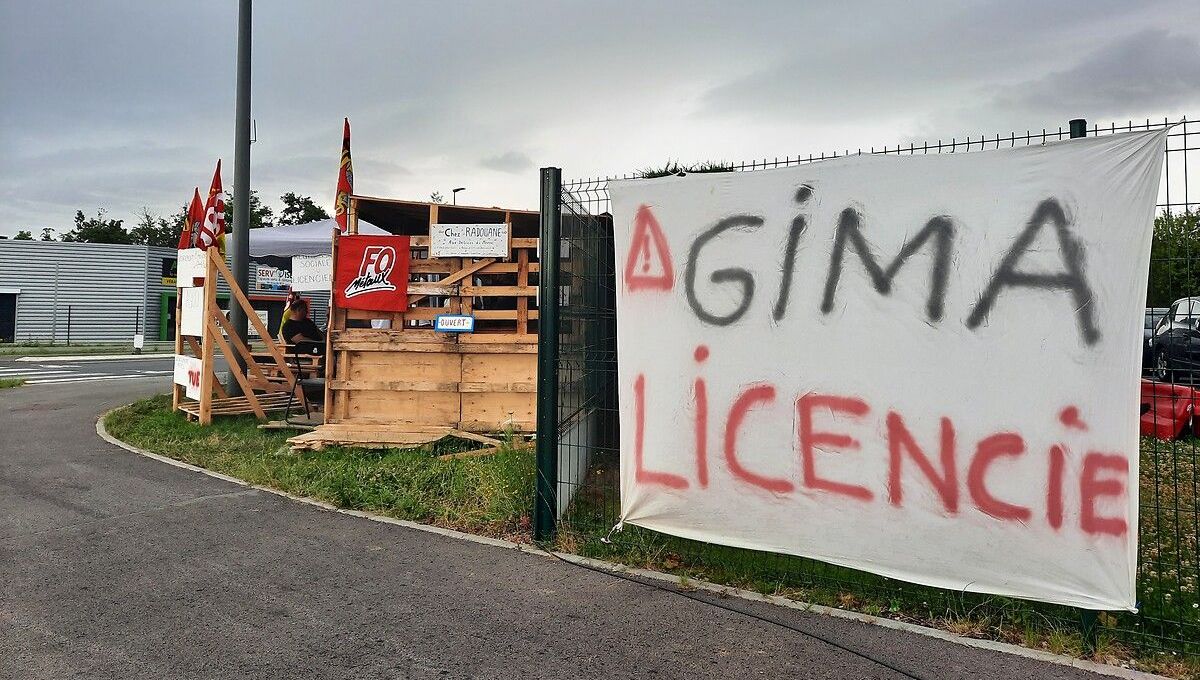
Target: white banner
{"points": [[191, 320], [924, 367], [191, 265], [312, 272], [187, 373], [468, 240]]}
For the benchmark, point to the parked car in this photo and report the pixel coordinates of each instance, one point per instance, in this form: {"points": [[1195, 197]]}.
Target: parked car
{"points": [[1153, 316], [1174, 343]]}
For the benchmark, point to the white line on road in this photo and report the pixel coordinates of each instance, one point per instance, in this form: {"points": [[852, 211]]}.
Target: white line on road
{"points": [[101, 357], [88, 378]]}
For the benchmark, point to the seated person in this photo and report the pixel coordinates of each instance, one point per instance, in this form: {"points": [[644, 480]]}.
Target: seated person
{"points": [[300, 330]]}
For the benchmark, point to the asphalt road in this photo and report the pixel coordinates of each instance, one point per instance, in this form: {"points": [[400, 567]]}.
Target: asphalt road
{"points": [[60, 370], [113, 565]]}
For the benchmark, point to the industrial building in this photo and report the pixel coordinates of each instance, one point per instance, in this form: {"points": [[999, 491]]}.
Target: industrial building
{"points": [[54, 292]]}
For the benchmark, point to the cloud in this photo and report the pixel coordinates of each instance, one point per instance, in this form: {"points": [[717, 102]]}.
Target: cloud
{"points": [[139, 117], [509, 161]]}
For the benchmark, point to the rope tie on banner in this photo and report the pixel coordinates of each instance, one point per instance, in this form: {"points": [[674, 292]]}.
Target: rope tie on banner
{"points": [[617, 528]]}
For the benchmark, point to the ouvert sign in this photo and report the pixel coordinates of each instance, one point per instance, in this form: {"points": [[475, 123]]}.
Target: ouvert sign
{"points": [[924, 367]]}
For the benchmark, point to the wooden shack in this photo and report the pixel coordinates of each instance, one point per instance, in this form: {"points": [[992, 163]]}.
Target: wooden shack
{"points": [[393, 380]]}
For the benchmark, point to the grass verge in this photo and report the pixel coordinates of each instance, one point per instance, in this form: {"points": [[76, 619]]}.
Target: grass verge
{"points": [[488, 495], [5, 383]]}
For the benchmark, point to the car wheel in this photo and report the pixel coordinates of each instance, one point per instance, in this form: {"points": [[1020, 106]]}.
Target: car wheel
{"points": [[1161, 367]]}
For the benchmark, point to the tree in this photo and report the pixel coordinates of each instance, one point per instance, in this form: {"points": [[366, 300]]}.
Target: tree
{"points": [[153, 230], [98, 229], [47, 234], [1174, 258], [260, 215], [300, 210], [23, 235], [437, 197]]}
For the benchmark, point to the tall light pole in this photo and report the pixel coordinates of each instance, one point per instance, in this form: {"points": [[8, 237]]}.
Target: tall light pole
{"points": [[454, 195], [241, 180]]}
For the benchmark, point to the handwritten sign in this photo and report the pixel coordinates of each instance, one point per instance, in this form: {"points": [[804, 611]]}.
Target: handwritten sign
{"points": [[312, 272], [454, 323], [190, 266], [187, 373], [468, 240], [191, 320], [923, 367]]}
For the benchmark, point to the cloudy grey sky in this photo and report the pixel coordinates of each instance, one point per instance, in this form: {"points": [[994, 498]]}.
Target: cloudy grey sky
{"points": [[121, 104]]}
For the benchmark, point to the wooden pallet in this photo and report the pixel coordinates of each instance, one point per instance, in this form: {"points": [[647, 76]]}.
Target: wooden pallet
{"points": [[229, 406], [380, 436]]}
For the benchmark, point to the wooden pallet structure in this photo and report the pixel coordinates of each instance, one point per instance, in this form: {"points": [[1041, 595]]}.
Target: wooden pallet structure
{"points": [[265, 386], [407, 385]]}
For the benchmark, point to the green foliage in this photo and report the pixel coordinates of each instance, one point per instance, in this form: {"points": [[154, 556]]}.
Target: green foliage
{"points": [[674, 168], [98, 229], [153, 230], [260, 215], [47, 234], [300, 210], [1174, 258], [23, 235], [437, 197], [6, 383]]}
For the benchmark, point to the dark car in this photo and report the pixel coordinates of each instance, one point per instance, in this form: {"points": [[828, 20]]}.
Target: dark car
{"points": [[1174, 343], [1153, 316]]}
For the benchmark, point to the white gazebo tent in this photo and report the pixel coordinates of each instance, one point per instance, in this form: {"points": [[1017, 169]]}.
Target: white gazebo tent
{"points": [[313, 238]]}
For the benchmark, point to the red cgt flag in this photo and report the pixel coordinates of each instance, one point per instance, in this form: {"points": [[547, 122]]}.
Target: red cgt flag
{"points": [[371, 272], [212, 231], [345, 182], [195, 217]]}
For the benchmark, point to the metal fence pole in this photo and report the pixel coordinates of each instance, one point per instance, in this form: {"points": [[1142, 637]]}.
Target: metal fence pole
{"points": [[545, 512], [1088, 618]]}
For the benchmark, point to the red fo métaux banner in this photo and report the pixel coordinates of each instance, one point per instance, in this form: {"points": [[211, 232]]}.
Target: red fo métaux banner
{"points": [[371, 272]]}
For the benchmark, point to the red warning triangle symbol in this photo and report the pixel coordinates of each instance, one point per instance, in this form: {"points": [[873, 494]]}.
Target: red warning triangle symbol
{"points": [[648, 266]]}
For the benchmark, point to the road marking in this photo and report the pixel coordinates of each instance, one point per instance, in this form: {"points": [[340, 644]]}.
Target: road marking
{"points": [[30, 372], [89, 377], [102, 357]]}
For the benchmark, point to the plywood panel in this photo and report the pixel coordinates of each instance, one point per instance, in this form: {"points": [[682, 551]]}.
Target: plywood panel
{"points": [[499, 368], [427, 366], [492, 411], [419, 408]]}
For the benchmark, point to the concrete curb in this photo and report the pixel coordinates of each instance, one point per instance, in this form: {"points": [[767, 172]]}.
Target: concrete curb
{"points": [[52, 358], [751, 596]]}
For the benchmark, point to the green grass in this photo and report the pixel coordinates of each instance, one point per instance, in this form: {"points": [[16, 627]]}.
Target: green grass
{"points": [[5, 383], [490, 495]]}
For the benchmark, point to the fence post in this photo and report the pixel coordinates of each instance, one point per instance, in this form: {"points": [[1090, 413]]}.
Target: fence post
{"points": [[545, 512], [69, 325], [1088, 618]]}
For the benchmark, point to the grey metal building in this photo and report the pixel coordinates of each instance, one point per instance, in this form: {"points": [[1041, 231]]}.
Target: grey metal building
{"points": [[54, 292]]}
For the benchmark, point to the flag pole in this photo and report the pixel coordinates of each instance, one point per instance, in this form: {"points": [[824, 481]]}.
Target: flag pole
{"points": [[241, 181]]}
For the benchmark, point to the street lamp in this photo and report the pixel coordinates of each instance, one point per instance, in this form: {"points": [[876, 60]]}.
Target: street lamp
{"points": [[454, 195]]}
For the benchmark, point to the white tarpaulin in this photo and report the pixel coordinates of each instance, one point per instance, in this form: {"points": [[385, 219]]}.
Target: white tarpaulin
{"points": [[924, 367], [311, 238]]}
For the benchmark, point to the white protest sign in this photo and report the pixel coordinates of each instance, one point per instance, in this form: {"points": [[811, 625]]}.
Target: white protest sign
{"points": [[924, 367], [468, 240], [187, 373], [191, 320], [190, 266], [312, 272]]}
